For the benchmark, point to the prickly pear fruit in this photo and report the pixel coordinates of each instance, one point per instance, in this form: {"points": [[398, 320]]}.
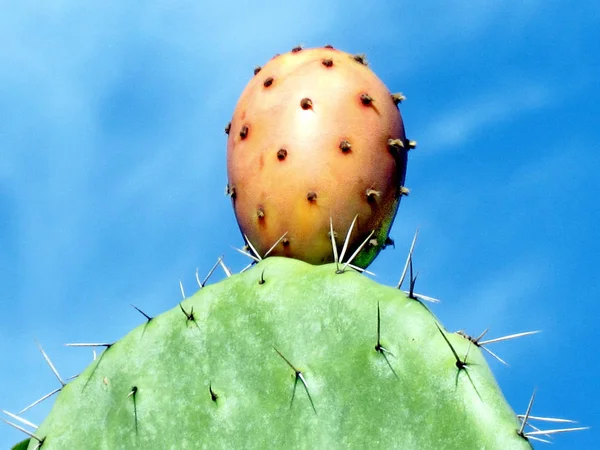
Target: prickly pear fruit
{"points": [[316, 136], [286, 355]]}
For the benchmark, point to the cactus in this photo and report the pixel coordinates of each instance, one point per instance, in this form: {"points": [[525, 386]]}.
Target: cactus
{"points": [[302, 350], [316, 136]]}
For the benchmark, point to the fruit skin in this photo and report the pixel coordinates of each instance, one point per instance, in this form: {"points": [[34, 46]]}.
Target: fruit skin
{"points": [[207, 374], [310, 140]]}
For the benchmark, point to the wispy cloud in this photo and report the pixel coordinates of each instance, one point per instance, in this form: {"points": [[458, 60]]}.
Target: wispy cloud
{"points": [[451, 129]]}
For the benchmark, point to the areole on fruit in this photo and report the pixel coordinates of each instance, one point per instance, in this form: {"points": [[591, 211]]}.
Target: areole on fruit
{"points": [[316, 136]]}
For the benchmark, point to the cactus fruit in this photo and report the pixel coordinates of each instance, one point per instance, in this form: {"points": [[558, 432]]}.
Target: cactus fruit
{"points": [[316, 136], [286, 355]]}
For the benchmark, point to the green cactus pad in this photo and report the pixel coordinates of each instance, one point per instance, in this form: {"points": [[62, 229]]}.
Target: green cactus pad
{"points": [[286, 355]]}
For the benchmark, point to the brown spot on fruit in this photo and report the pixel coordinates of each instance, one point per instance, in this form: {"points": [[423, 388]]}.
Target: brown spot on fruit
{"points": [[257, 69], [260, 213], [366, 99], [327, 62], [361, 58], [230, 190], [395, 146], [306, 103], [244, 132], [329, 46], [228, 128], [281, 154], [268, 82], [311, 196], [285, 242], [296, 49], [345, 146], [398, 98], [372, 195]]}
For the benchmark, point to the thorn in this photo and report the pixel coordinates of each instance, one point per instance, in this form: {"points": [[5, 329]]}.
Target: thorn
{"points": [[40, 400], [398, 98], [404, 191], [275, 244], [209, 273], [358, 250], [213, 394], [422, 297], [526, 415], [380, 348], [495, 356], [327, 62], [413, 280], [141, 312], [245, 253], [262, 277], [481, 344], [347, 240], [50, 364], [257, 69], [459, 362], [23, 430], [225, 269], [408, 259], [299, 376], [332, 234], [306, 103], [132, 394], [506, 338], [412, 145], [256, 254], [361, 270], [182, 291], [20, 419], [79, 344], [562, 430], [547, 419], [189, 316]]}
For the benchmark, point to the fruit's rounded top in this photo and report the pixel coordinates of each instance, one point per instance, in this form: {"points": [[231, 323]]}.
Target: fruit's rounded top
{"points": [[316, 142]]}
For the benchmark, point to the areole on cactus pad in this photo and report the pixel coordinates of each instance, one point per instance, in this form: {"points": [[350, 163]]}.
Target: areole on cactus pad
{"points": [[316, 142]]}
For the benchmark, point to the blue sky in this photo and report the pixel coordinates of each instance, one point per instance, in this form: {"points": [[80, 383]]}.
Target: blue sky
{"points": [[112, 172]]}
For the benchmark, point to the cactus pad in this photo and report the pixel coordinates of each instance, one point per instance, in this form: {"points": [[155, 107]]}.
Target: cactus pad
{"points": [[291, 355]]}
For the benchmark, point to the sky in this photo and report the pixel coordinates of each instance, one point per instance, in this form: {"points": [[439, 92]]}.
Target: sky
{"points": [[112, 173]]}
